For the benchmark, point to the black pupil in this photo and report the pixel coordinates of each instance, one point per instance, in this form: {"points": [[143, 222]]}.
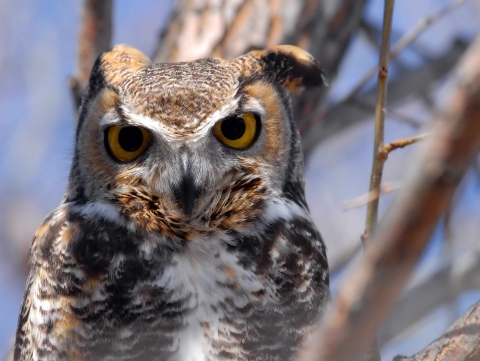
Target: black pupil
{"points": [[233, 128], [130, 138]]}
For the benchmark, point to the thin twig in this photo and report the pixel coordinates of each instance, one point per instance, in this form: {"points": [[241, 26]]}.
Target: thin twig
{"points": [[384, 187], [370, 291], [400, 143], [401, 117], [373, 352], [377, 167], [401, 44]]}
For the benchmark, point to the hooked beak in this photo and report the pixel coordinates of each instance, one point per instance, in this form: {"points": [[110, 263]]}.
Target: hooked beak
{"points": [[186, 192]]}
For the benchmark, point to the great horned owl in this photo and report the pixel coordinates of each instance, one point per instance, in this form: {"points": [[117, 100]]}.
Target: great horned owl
{"points": [[184, 233]]}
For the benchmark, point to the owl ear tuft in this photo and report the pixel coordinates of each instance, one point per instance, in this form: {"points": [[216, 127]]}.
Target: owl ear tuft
{"points": [[292, 67], [118, 63]]}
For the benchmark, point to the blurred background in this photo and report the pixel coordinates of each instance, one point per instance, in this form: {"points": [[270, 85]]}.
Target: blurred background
{"points": [[39, 41]]}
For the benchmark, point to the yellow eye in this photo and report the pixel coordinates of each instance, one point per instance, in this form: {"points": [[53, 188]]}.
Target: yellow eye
{"points": [[238, 131], [127, 143]]}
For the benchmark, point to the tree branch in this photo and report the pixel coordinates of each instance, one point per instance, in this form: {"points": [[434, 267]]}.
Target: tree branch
{"points": [[406, 40], [460, 342], [384, 187], [370, 196], [370, 291], [378, 159], [373, 352], [404, 118], [95, 38], [342, 116], [440, 288], [324, 28], [327, 43], [421, 26], [313, 132], [400, 143]]}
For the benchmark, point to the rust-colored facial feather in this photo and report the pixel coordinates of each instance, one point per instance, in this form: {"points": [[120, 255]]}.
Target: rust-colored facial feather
{"points": [[179, 105], [233, 204], [172, 229]]}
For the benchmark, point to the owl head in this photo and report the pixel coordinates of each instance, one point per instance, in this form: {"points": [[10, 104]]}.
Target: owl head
{"points": [[194, 148]]}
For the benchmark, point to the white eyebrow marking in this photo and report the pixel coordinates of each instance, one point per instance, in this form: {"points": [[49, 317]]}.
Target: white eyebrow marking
{"points": [[168, 133]]}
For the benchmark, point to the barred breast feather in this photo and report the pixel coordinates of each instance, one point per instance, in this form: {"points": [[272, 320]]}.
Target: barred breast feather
{"points": [[184, 234], [101, 291]]}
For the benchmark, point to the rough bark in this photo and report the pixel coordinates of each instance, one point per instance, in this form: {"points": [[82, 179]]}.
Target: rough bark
{"points": [[199, 29]]}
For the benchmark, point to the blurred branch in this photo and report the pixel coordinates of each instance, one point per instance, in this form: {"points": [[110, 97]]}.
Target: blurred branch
{"points": [[401, 44], [199, 29], [447, 283], [393, 113], [405, 84], [373, 35], [9, 355], [95, 38], [327, 43], [371, 32], [404, 118], [251, 24], [476, 166], [310, 128], [460, 342], [422, 25], [202, 28], [405, 230], [370, 196], [440, 289]]}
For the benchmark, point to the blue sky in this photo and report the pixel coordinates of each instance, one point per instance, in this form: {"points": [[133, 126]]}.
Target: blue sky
{"points": [[38, 55]]}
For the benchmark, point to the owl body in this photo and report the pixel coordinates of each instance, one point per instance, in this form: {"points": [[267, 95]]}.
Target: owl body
{"points": [[184, 232]]}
